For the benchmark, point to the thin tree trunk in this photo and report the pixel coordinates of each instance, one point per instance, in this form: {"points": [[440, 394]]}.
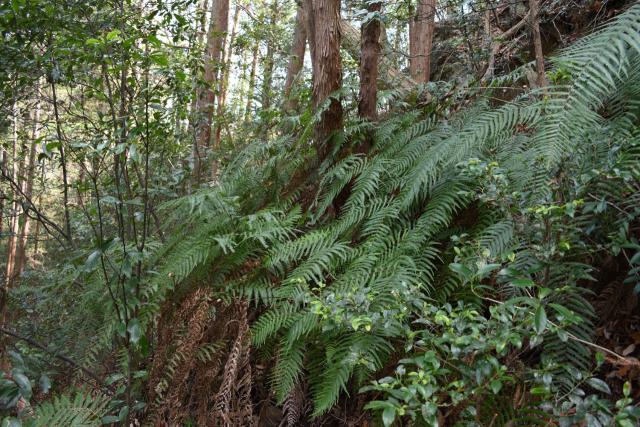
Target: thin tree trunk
{"points": [[3, 165], [496, 41], [36, 234], [252, 82], [11, 245], [267, 74], [323, 31], [421, 30], [63, 162], [194, 114], [296, 60], [199, 37], [218, 27], [398, 59], [537, 42], [414, 42], [225, 72], [14, 221], [242, 91], [21, 256]]}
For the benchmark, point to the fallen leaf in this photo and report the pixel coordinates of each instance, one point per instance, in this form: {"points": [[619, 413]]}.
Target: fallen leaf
{"points": [[627, 351]]}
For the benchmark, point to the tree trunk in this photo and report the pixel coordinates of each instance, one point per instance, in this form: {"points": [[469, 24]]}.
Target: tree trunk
{"points": [[496, 37], [370, 57], [13, 221], [268, 62], [252, 82], [391, 76], [36, 234], [63, 158], [537, 42], [421, 29], [226, 70], [368, 98], [296, 60], [21, 255], [323, 31], [3, 165], [242, 84], [11, 246], [199, 37], [218, 27]]}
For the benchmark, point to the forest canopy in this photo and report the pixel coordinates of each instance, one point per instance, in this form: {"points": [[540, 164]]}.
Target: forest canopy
{"points": [[320, 213]]}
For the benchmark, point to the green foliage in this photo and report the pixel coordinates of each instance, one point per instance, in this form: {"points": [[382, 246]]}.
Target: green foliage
{"points": [[462, 244], [431, 215], [81, 410]]}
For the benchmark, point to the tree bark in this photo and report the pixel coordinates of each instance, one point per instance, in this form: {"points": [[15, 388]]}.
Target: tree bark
{"points": [[199, 37], [21, 255], [3, 165], [421, 29], [226, 70], [216, 34], [391, 76], [268, 62], [537, 42], [63, 158], [13, 222], [252, 81], [323, 31], [11, 245], [296, 60], [368, 97]]}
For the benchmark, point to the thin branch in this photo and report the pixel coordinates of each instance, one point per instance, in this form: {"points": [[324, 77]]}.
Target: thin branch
{"points": [[40, 217]]}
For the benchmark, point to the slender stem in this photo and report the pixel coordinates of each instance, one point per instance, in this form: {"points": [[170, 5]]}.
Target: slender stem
{"points": [[63, 161]]}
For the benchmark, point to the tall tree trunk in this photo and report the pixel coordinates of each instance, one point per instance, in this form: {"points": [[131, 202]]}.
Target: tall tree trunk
{"points": [[391, 75], [11, 245], [296, 60], [421, 29], [225, 72], [268, 63], [398, 58], [242, 84], [36, 234], [218, 27], [21, 255], [14, 221], [193, 121], [369, 59], [3, 166], [534, 9], [63, 159], [323, 31], [252, 81], [367, 100]]}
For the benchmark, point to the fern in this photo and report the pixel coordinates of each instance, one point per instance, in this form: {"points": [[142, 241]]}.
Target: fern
{"points": [[285, 250], [84, 409]]}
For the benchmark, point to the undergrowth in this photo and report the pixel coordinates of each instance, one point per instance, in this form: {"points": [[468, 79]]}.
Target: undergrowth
{"points": [[444, 275]]}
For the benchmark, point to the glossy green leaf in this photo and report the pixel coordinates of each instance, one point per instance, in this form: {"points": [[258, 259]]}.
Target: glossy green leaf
{"points": [[599, 385], [388, 416], [540, 319]]}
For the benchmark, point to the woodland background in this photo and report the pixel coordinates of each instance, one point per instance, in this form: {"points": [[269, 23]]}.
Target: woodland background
{"points": [[323, 212]]}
